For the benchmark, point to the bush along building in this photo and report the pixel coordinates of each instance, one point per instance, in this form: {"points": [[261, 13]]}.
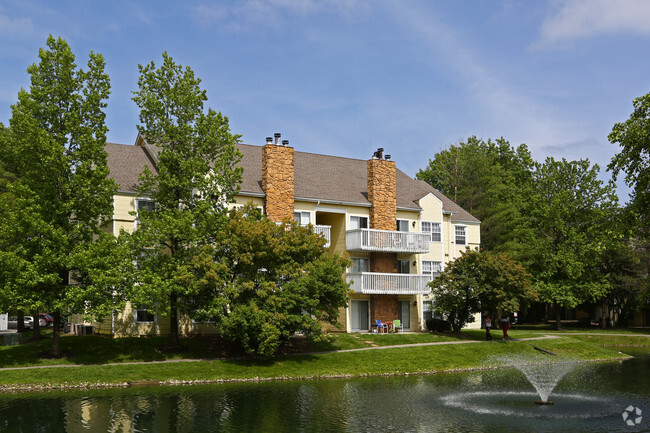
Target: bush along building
{"points": [[399, 232]]}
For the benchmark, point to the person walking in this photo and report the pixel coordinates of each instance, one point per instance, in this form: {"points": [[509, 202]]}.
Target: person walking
{"points": [[505, 324], [488, 328]]}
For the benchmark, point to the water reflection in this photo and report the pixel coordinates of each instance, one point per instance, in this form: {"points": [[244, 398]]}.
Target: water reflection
{"points": [[462, 402]]}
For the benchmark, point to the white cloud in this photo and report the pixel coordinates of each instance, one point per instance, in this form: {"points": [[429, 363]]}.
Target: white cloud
{"points": [[579, 19], [14, 25]]}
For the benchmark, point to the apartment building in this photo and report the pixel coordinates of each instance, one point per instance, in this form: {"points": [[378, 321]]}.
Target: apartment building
{"points": [[399, 232]]}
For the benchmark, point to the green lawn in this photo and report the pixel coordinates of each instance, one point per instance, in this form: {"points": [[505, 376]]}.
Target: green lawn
{"points": [[412, 360], [88, 351]]}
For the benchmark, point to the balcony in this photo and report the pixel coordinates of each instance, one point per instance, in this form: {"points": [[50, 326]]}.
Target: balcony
{"points": [[387, 241], [388, 284], [325, 231]]}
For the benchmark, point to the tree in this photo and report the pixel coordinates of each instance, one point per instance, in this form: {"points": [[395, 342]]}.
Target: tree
{"points": [[52, 230], [264, 281], [195, 177], [633, 136], [490, 180], [481, 281], [571, 211]]}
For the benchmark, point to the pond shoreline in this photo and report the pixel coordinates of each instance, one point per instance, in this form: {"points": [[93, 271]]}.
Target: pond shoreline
{"points": [[27, 388]]}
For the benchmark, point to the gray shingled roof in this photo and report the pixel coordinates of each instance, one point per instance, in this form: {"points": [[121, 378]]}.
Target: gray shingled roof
{"points": [[336, 179], [317, 177], [125, 163]]}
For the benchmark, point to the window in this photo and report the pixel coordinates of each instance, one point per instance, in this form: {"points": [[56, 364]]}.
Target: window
{"points": [[404, 266], [461, 235], [427, 310], [433, 229], [143, 204], [431, 268], [357, 222], [144, 316], [360, 264], [302, 218], [402, 225]]}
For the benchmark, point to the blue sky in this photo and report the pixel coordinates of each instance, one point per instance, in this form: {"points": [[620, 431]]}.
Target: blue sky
{"points": [[343, 77]]}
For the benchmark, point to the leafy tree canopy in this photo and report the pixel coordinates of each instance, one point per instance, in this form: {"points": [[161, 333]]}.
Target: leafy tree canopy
{"points": [[572, 213], [51, 232], [265, 281], [491, 181], [481, 281], [633, 136], [195, 177]]}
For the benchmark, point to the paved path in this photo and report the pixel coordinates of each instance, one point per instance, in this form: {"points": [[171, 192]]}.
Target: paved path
{"points": [[397, 346]]}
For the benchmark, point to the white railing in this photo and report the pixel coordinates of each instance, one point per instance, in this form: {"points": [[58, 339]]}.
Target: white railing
{"points": [[326, 232], [389, 284], [387, 241]]}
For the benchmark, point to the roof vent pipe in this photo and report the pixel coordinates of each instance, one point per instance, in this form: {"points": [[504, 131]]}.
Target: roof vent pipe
{"points": [[285, 142], [269, 140], [277, 136]]}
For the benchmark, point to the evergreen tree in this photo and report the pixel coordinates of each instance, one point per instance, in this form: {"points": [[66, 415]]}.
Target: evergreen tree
{"points": [[490, 180]]}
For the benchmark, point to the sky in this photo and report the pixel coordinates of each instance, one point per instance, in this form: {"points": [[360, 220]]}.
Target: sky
{"points": [[344, 77]]}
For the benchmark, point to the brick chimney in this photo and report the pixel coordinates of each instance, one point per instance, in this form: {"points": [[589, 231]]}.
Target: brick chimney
{"points": [[382, 192], [278, 179]]}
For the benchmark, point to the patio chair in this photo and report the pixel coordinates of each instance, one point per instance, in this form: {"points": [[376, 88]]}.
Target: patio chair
{"points": [[397, 326], [383, 326]]}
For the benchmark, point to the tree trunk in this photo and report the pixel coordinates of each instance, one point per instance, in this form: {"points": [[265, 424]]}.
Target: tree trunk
{"points": [[55, 349], [603, 314], [20, 325], [173, 320], [37, 328], [558, 315]]}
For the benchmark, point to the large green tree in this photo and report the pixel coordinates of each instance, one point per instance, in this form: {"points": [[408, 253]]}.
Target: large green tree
{"points": [[633, 159], [572, 213], [50, 235], [481, 281], [263, 281], [491, 180], [195, 177]]}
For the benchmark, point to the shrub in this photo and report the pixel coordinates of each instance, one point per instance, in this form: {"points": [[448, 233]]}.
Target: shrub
{"points": [[438, 325]]}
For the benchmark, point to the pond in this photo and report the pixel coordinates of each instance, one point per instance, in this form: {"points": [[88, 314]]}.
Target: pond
{"points": [[592, 397]]}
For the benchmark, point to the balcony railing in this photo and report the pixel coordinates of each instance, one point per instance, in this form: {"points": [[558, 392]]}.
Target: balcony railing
{"points": [[326, 232], [389, 284], [387, 241]]}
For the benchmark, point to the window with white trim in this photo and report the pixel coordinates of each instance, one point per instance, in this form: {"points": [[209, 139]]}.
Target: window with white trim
{"points": [[433, 229], [143, 204], [302, 218], [402, 225], [360, 264], [460, 233], [431, 268], [144, 316], [357, 222]]}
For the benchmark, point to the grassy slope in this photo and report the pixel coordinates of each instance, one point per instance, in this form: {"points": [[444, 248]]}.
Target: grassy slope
{"points": [[92, 350]]}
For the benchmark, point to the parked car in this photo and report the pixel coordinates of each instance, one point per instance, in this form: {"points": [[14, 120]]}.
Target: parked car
{"points": [[27, 320], [49, 320]]}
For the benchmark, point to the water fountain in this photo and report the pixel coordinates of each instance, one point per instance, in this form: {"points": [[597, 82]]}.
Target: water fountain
{"points": [[543, 374]]}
